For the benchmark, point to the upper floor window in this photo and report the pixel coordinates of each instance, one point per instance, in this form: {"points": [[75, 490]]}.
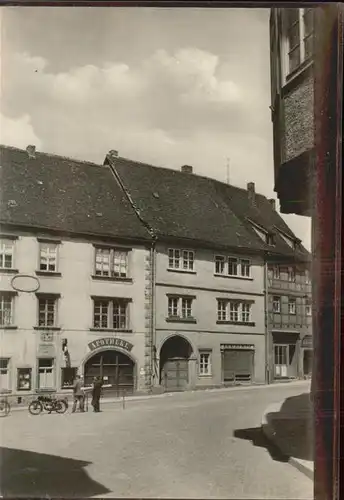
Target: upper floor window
{"points": [[111, 313], [110, 262], [6, 309], [180, 307], [307, 277], [48, 257], [235, 266], [47, 311], [308, 307], [6, 254], [182, 260], [219, 264], [291, 274], [233, 310], [299, 34], [276, 304], [292, 306], [276, 272]]}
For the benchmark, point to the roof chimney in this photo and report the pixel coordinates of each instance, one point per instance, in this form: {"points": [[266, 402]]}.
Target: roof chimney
{"points": [[187, 169], [113, 153], [273, 203], [31, 151], [251, 191]]}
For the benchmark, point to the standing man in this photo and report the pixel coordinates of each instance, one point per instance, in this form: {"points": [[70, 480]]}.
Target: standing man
{"points": [[96, 392], [78, 394]]}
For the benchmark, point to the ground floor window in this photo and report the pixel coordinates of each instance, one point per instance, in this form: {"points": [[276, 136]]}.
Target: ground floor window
{"points": [[205, 363], [24, 379], [68, 376], [4, 374], [46, 373]]}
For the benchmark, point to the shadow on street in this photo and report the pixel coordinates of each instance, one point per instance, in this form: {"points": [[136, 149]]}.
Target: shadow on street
{"points": [[257, 438], [30, 474], [293, 425]]}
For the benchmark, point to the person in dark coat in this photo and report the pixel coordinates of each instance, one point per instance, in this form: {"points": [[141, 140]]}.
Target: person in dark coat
{"points": [[96, 393]]}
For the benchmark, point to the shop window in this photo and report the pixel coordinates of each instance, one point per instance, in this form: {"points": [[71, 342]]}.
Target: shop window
{"points": [[24, 377], [46, 373], [4, 374], [68, 376]]}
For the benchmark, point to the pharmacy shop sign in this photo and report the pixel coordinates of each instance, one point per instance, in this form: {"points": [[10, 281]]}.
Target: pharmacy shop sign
{"points": [[110, 342]]}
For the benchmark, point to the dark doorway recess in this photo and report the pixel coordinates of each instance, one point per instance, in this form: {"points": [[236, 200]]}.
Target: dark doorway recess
{"points": [[174, 363]]}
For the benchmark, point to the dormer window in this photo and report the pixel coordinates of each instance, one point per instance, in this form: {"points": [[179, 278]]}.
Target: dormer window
{"points": [[270, 239]]}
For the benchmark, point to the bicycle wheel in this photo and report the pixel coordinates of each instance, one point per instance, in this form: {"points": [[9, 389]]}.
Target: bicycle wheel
{"points": [[35, 407], [60, 406], [5, 408]]}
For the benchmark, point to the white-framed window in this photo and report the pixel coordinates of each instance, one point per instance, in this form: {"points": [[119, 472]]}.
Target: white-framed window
{"points": [[111, 314], [111, 262], [232, 266], [245, 312], [291, 274], [308, 307], [48, 257], [276, 304], [307, 277], [204, 362], [245, 265], [46, 373], [222, 310], [6, 309], [4, 374], [291, 306], [6, 253], [183, 260], [299, 31], [276, 272], [47, 311], [219, 264], [234, 311], [180, 307]]}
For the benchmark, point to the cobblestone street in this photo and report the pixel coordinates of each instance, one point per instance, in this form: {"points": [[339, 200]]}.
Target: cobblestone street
{"points": [[189, 445]]}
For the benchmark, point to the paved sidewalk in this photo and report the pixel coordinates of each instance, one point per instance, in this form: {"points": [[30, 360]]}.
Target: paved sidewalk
{"points": [[289, 425], [140, 397]]}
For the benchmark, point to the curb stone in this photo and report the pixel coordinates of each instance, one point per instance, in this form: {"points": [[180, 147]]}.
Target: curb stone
{"points": [[306, 467], [294, 383]]}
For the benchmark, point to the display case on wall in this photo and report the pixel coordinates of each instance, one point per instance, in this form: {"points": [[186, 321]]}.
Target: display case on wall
{"points": [[24, 378]]}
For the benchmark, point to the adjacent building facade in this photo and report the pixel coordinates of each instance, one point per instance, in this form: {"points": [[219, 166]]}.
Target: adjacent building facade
{"points": [[153, 278], [292, 106]]}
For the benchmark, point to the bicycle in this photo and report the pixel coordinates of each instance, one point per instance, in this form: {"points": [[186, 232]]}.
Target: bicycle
{"points": [[5, 407], [48, 404]]}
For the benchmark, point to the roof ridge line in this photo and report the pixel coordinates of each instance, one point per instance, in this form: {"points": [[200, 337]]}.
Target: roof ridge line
{"points": [[54, 155]]}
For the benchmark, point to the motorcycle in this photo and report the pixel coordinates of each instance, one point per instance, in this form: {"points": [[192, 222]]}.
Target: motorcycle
{"points": [[49, 404]]}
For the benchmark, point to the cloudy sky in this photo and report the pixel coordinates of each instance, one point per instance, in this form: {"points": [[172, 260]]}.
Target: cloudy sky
{"points": [[163, 86]]}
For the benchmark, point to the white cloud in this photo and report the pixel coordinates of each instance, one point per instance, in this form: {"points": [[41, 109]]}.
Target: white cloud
{"points": [[173, 108], [18, 132]]}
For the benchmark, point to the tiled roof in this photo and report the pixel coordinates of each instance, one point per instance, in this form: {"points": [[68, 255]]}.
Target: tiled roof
{"points": [[62, 194], [181, 205], [264, 215]]}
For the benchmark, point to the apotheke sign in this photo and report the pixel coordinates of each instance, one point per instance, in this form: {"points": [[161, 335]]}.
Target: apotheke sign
{"points": [[110, 342]]}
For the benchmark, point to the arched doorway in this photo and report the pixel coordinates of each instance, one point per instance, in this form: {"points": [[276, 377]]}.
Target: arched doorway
{"points": [[115, 367], [174, 363]]}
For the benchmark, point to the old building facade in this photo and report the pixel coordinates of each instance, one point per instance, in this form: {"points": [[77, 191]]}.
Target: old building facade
{"points": [[114, 270], [292, 106], [77, 303]]}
